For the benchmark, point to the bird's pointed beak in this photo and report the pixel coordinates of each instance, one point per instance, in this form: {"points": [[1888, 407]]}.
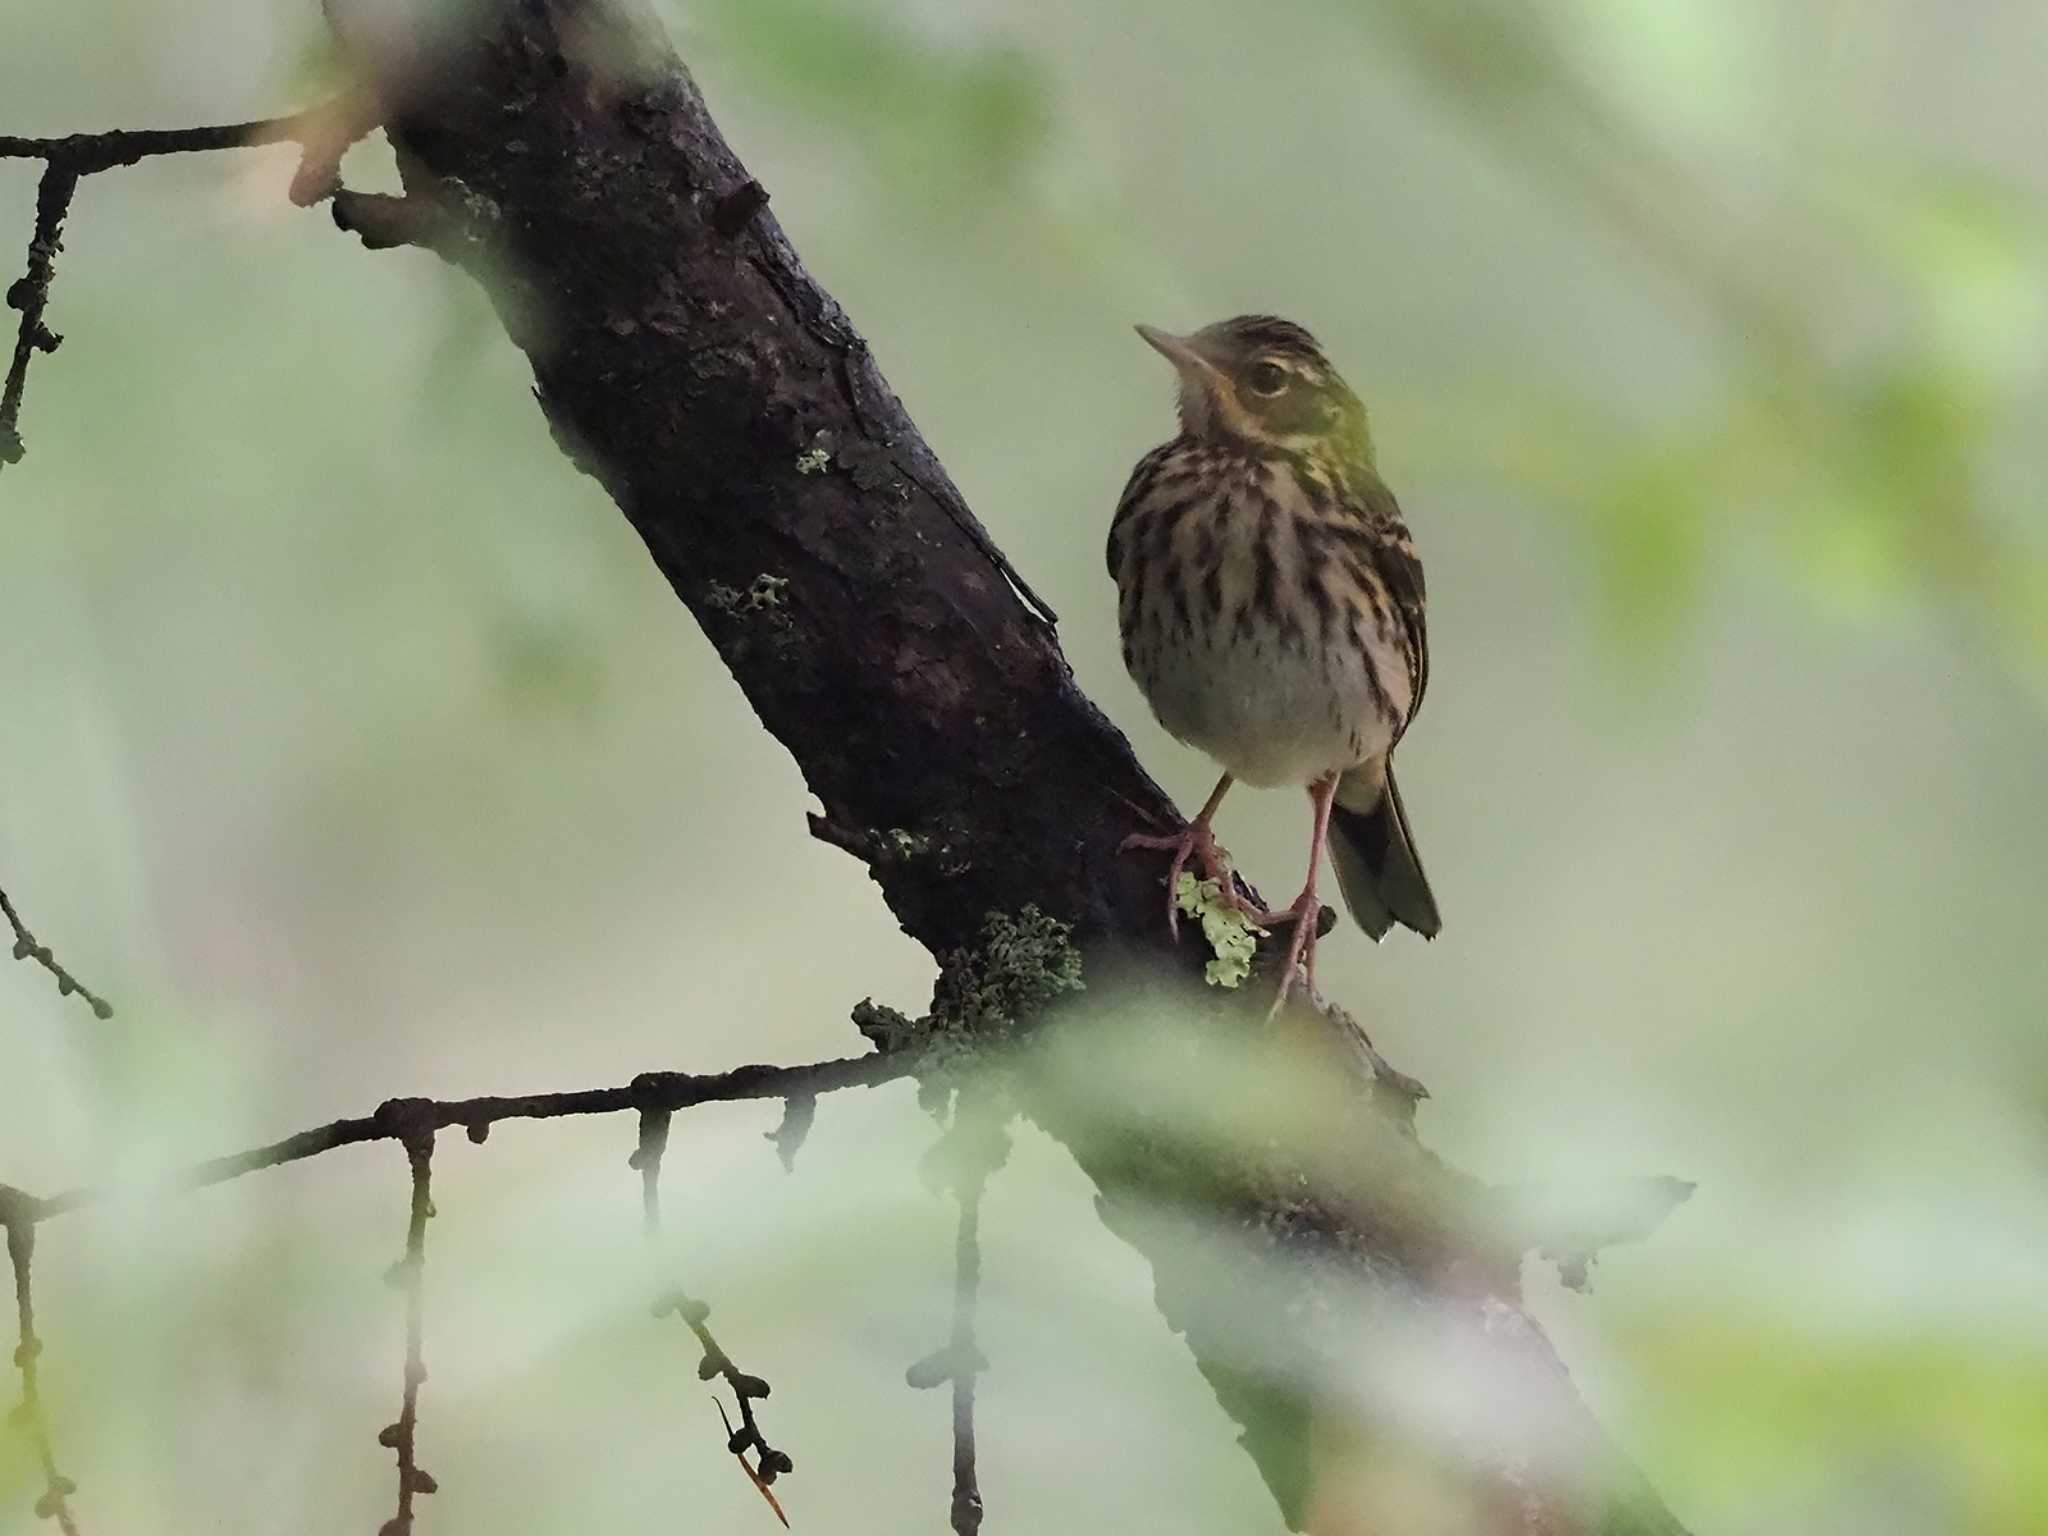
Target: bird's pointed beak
{"points": [[1179, 351]]}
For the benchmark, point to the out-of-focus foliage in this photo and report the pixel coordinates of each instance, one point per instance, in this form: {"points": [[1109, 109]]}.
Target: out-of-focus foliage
{"points": [[1874, 317], [941, 123], [350, 742]]}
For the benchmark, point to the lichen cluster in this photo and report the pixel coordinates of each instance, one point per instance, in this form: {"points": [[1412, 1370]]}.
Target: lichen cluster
{"points": [[764, 592], [985, 996], [1232, 936]]}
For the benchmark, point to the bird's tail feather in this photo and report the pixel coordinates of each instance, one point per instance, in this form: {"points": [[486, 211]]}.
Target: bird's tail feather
{"points": [[1373, 853]]}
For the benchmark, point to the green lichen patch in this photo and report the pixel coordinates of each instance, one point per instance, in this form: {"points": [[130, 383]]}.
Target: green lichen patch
{"points": [[985, 995], [1021, 964], [1231, 935], [815, 462], [889, 1030]]}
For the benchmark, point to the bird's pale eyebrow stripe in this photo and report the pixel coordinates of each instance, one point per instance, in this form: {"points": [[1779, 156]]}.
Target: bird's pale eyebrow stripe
{"points": [[1299, 367]]}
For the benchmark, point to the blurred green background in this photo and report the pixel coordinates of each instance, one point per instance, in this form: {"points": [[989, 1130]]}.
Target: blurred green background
{"points": [[349, 741]]}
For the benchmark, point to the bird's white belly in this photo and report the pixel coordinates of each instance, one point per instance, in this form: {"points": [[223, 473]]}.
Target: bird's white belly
{"points": [[1270, 712]]}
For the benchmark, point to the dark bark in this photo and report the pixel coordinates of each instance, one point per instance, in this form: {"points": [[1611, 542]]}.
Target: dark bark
{"points": [[684, 357]]}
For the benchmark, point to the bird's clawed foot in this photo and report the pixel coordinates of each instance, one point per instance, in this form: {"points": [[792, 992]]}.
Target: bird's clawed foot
{"points": [[1196, 844], [1306, 915]]}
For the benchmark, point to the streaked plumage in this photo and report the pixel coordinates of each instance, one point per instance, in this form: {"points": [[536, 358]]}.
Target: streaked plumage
{"points": [[1272, 606]]}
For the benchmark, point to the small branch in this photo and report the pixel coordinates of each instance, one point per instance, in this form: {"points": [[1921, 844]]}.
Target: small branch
{"points": [[414, 1123], [670, 1296], [55, 1502], [25, 945], [323, 132], [411, 1273], [396, 1118]]}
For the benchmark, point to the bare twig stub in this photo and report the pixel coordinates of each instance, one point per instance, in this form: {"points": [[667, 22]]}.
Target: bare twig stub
{"points": [[798, 1111]]}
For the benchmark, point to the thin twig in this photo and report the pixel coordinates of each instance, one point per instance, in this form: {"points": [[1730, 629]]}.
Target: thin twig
{"points": [[55, 1502], [26, 947], [396, 1118], [973, 1147], [670, 1296], [411, 1273], [88, 153], [31, 295]]}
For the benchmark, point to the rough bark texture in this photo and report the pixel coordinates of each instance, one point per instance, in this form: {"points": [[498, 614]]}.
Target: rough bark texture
{"points": [[684, 357]]}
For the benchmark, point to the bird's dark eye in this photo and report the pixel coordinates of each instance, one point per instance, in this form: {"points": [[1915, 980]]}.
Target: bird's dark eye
{"points": [[1267, 378]]}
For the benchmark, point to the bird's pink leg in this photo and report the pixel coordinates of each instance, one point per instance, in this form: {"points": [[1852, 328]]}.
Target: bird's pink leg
{"points": [[1307, 909], [1194, 841]]}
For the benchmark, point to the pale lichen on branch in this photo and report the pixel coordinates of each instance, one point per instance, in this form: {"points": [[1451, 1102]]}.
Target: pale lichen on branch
{"points": [[1232, 937], [1019, 966]]}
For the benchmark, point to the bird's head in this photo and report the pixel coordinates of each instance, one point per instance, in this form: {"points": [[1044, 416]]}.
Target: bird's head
{"points": [[1264, 380]]}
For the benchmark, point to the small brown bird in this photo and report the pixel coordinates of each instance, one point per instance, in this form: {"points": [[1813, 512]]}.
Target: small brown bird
{"points": [[1271, 606]]}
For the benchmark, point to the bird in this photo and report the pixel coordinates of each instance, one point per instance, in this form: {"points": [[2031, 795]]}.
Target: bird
{"points": [[1271, 609]]}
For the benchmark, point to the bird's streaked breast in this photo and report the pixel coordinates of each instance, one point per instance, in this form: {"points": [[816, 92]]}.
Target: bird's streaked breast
{"points": [[1252, 615]]}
